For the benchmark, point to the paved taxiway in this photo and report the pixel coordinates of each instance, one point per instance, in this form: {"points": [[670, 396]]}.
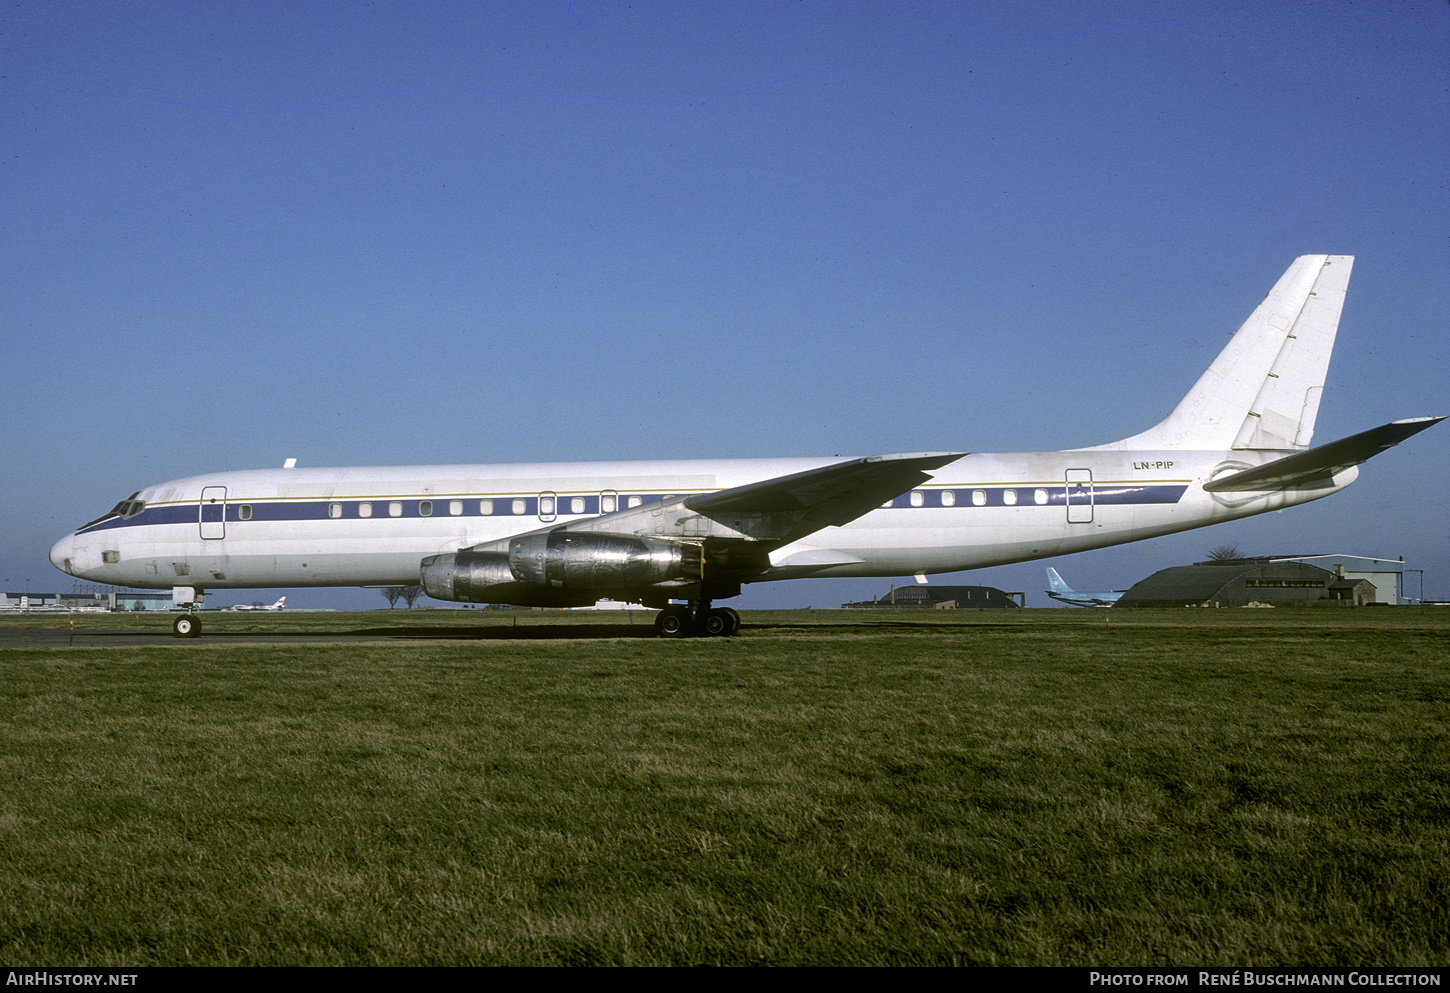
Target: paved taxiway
{"points": [[122, 637]]}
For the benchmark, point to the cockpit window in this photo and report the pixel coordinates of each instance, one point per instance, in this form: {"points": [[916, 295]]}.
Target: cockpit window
{"points": [[128, 508], [125, 510]]}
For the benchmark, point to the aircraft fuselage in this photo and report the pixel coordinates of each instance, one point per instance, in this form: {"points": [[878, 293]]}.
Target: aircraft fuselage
{"points": [[371, 526]]}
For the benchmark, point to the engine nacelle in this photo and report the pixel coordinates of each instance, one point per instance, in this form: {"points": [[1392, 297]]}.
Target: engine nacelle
{"points": [[460, 575], [588, 560], [560, 568]]}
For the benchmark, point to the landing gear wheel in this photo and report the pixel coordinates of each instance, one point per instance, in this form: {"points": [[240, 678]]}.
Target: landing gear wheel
{"points": [[722, 621], [186, 626], [673, 622]]}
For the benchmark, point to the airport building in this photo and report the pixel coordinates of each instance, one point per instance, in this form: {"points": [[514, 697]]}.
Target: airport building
{"points": [[1386, 575], [940, 598], [1250, 583], [110, 599]]}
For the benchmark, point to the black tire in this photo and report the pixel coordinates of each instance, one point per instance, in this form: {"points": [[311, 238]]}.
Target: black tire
{"points": [[186, 626], [721, 622], [673, 622], [734, 620]]}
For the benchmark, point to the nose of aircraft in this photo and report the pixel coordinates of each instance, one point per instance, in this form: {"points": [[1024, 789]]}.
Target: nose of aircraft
{"points": [[62, 555]]}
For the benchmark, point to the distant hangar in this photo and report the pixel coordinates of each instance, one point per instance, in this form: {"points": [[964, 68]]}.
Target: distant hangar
{"points": [[940, 598], [1300, 580]]}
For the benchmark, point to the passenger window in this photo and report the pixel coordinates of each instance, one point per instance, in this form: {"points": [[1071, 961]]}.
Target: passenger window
{"points": [[917, 498], [948, 498], [979, 498], [455, 507], [364, 510], [519, 507], [606, 504], [334, 510], [635, 501], [425, 508], [485, 507], [546, 506], [1039, 497], [576, 505], [395, 509], [244, 512], [1009, 497]]}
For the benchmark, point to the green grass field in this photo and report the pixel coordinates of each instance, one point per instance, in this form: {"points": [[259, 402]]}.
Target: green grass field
{"points": [[1047, 787]]}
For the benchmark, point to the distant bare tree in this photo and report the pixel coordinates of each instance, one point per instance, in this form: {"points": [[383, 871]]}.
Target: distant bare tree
{"points": [[1223, 553], [392, 594], [411, 594]]}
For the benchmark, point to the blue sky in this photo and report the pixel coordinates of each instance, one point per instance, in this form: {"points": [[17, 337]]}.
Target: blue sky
{"points": [[464, 232]]}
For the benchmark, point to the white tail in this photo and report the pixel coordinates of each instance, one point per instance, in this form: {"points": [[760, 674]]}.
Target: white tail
{"points": [[1263, 390]]}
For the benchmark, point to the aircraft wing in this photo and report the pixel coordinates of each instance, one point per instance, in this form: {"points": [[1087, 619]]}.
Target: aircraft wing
{"points": [[832, 495], [1324, 461], [776, 511]]}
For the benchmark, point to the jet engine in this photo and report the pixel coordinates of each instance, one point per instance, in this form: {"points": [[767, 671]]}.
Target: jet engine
{"points": [[561, 568]]}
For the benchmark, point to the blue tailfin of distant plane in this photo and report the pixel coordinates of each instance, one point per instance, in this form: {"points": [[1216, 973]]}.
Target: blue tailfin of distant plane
{"points": [[1059, 590]]}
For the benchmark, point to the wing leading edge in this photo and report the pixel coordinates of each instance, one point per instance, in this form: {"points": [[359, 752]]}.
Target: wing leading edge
{"points": [[779, 510], [830, 496]]}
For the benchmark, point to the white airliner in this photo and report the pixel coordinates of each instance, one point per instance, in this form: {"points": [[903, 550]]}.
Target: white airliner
{"points": [[656, 533], [1058, 589], [260, 606]]}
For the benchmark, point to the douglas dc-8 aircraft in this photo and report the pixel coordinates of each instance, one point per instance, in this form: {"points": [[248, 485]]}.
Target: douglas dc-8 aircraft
{"points": [[1058, 589], [571, 534]]}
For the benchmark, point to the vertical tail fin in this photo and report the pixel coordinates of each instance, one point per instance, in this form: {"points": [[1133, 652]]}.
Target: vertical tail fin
{"points": [[1263, 390], [1055, 582]]}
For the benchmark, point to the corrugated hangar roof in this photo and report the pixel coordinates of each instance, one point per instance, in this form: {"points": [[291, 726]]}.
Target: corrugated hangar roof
{"points": [[922, 596], [1236, 583]]}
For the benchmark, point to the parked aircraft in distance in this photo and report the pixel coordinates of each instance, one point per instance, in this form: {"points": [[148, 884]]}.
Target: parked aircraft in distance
{"points": [[656, 533], [1059, 590], [260, 606]]}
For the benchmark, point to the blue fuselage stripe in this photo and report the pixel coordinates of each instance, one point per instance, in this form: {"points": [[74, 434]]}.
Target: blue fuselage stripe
{"points": [[241, 511], [1040, 496]]}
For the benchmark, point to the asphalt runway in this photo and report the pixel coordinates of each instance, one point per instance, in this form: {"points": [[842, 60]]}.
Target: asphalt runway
{"points": [[119, 636]]}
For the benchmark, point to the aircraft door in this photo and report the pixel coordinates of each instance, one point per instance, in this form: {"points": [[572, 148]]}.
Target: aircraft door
{"points": [[1079, 496], [212, 513]]}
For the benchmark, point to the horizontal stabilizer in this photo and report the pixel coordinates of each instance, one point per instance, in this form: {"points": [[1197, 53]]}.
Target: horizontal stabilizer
{"points": [[1324, 461]]}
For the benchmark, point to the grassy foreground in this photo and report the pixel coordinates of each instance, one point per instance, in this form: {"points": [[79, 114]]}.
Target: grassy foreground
{"points": [[1010, 787]]}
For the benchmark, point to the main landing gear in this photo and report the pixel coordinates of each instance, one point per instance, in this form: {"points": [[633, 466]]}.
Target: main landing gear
{"points": [[697, 618], [186, 626]]}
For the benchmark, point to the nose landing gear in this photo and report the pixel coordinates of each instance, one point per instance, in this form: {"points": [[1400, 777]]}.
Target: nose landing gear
{"points": [[187, 625]]}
